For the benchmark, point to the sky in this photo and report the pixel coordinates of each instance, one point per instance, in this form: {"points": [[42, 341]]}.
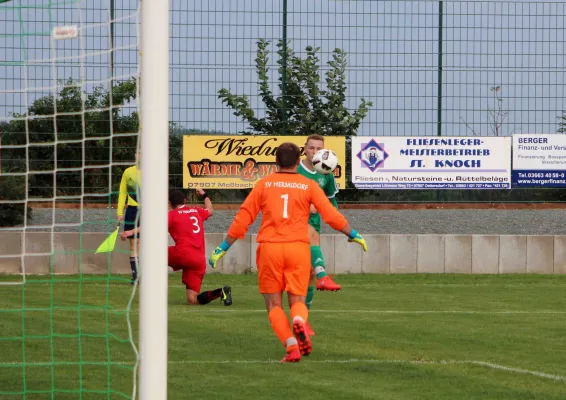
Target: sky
{"points": [[393, 55]]}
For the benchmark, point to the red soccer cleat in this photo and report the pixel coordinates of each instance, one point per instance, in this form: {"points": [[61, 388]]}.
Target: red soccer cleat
{"points": [[309, 330], [300, 331], [326, 283], [293, 356]]}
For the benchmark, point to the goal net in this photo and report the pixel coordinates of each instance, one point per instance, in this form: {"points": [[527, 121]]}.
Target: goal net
{"points": [[69, 127]]}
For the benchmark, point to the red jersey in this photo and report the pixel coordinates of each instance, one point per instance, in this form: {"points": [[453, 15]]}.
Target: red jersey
{"points": [[186, 226]]}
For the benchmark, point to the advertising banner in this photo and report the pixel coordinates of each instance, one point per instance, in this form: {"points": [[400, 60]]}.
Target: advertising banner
{"points": [[238, 162], [539, 160], [393, 162]]}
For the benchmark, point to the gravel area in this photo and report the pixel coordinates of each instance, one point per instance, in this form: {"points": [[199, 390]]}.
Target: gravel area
{"points": [[490, 221]]}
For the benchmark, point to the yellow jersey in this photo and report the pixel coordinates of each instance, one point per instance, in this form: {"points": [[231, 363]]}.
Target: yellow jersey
{"points": [[129, 189]]}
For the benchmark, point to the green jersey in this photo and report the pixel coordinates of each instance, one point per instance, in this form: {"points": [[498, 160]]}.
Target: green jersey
{"points": [[328, 185]]}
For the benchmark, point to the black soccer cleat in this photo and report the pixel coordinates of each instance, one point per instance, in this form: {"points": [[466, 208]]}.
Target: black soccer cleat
{"points": [[226, 295]]}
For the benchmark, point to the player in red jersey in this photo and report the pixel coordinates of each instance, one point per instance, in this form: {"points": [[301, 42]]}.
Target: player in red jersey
{"points": [[186, 227]]}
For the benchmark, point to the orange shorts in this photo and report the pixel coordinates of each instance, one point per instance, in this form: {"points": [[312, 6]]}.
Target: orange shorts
{"points": [[284, 267]]}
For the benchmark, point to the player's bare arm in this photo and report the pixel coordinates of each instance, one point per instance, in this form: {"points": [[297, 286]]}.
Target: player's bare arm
{"points": [[207, 202], [127, 234]]}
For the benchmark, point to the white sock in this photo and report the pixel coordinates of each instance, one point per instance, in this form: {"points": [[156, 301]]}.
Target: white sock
{"points": [[291, 341], [318, 270], [297, 318]]}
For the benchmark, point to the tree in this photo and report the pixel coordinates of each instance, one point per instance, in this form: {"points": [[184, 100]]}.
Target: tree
{"points": [[305, 108], [12, 188], [75, 133]]}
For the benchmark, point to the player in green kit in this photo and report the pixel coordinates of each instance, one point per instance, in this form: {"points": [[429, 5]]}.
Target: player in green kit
{"points": [[319, 277]]}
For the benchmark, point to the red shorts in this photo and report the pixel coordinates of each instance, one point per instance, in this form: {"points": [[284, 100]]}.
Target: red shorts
{"points": [[193, 264]]}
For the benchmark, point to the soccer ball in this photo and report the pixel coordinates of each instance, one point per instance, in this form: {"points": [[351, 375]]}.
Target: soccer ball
{"points": [[325, 161]]}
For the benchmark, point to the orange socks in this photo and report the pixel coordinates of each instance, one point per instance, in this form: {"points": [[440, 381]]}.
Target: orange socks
{"points": [[281, 327], [280, 324], [299, 310]]}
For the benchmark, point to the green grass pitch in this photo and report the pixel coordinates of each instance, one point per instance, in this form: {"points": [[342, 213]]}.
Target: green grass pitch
{"points": [[382, 337]]}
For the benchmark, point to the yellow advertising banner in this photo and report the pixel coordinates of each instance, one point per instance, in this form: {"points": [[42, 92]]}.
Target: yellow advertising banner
{"points": [[238, 162]]}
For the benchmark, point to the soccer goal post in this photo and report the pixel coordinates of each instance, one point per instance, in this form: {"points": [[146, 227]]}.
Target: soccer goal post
{"points": [[76, 105], [154, 194]]}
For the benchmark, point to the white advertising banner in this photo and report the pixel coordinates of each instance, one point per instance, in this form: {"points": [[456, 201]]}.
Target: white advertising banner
{"points": [[393, 162], [539, 160]]}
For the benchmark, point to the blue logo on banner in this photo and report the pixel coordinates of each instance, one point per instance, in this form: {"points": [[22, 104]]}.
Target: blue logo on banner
{"points": [[372, 155]]}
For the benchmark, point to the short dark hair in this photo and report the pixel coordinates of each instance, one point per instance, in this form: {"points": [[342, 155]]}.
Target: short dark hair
{"points": [[177, 198], [287, 155], [315, 136]]}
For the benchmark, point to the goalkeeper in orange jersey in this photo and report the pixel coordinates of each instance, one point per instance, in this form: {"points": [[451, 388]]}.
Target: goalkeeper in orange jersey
{"points": [[283, 255]]}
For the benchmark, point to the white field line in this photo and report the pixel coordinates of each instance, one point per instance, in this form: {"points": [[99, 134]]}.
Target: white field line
{"points": [[490, 365], [125, 283], [208, 310], [487, 312], [413, 362]]}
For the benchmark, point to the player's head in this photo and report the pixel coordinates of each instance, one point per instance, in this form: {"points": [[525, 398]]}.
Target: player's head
{"points": [[176, 198], [288, 156], [314, 143]]}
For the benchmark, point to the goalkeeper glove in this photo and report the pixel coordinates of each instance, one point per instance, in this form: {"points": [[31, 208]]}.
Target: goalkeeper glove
{"points": [[355, 237], [218, 253]]}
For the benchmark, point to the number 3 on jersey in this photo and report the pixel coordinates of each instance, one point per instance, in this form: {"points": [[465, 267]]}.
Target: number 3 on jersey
{"points": [[285, 198], [195, 224]]}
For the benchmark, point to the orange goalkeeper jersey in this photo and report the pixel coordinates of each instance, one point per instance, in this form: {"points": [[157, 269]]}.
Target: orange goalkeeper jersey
{"points": [[284, 199]]}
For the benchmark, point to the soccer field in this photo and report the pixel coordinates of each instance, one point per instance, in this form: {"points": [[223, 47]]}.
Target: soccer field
{"points": [[381, 337]]}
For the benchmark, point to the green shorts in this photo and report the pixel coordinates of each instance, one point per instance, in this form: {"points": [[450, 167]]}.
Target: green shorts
{"points": [[314, 221]]}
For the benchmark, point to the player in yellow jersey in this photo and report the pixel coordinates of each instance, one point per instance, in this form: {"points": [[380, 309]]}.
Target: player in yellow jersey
{"points": [[128, 195]]}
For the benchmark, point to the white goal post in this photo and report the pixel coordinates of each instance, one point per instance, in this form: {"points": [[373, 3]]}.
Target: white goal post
{"points": [[154, 130]]}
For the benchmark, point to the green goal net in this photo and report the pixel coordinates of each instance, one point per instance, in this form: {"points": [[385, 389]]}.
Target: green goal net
{"points": [[68, 129]]}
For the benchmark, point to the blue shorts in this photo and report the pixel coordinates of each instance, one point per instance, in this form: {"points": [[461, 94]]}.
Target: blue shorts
{"points": [[130, 220]]}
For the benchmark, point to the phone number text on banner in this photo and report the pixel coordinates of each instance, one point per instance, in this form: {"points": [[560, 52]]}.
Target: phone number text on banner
{"points": [[388, 162], [238, 162], [539, 160]]}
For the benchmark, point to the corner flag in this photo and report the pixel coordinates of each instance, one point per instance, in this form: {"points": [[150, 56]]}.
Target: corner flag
{"points": [[108, 245]]}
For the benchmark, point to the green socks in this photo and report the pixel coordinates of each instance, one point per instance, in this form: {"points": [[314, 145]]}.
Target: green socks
{"points": [[317, 262], [310, 295]]}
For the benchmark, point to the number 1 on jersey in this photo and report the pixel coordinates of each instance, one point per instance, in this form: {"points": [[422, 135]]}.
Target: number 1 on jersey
{"points": [[285, 198]]}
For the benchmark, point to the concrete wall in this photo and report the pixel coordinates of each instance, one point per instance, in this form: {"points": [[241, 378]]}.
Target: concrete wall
{"points": [[395, 254]]}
